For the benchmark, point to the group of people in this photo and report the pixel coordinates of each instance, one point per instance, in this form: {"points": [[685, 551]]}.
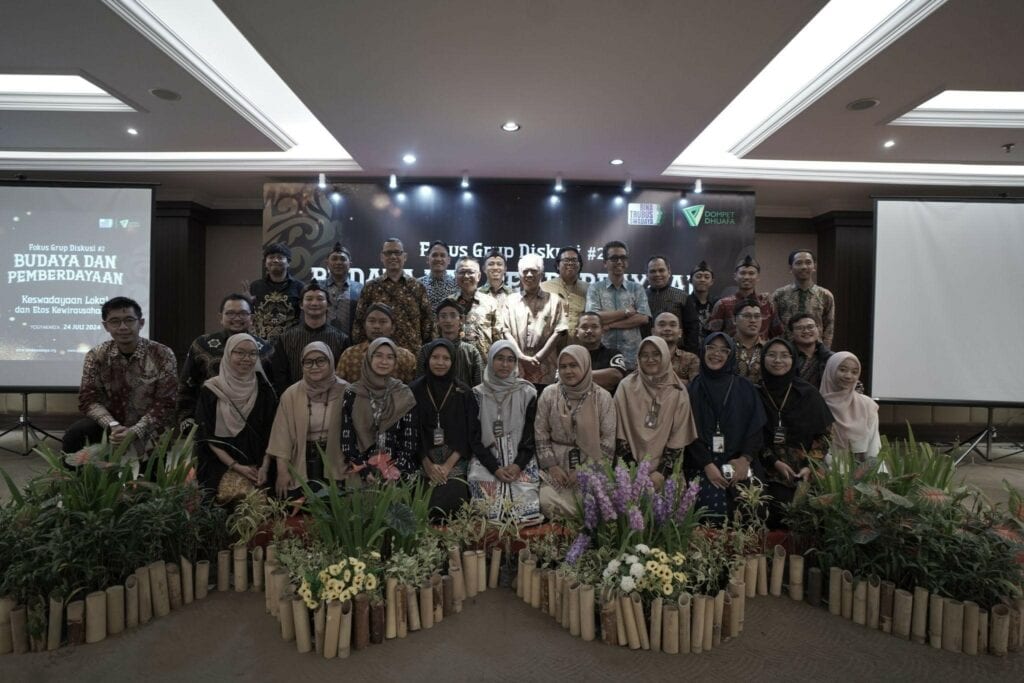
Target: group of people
{"points": [[490, 393]]}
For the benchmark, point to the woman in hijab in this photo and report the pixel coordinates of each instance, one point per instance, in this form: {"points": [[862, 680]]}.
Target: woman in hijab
{"points": [[449, 427], [504, 474], [234, 411], [856, 415], [797, 426], [730, 420], [575, 426], [380, 436], [308, 422], [655, 422]]}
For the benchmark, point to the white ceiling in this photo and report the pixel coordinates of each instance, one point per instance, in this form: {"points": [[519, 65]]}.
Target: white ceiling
{"points": [[359, 83]]}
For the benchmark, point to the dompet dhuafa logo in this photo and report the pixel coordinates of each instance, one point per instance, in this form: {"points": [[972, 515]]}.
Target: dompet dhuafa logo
{"points": [[698, 213]]}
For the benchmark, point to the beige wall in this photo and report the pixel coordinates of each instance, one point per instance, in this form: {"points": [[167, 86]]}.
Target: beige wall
{"points": [[233, 254], [772, 251]]}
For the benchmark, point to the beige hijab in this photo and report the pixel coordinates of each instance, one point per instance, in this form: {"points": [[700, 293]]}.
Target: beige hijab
{"points": [[328, 388], [856, 415], [381, 395], [235, 392], [633, 400], [583, 399]]}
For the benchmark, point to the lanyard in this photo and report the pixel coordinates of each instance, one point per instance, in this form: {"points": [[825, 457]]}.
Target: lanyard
{"points": [[437, 410], [574, 411], [778, 409]]}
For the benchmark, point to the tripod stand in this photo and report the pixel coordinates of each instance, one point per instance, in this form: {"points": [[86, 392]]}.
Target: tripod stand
{"points": [[26, 426], [988, 434]]}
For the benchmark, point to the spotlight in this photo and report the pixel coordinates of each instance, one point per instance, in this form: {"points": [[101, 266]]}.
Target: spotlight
{"points": [[393, 182], [559, 187], [510, 126], [683, 202], [628, 187], [698, 186], [322, 182], [889, 143], [132, 131], [465, 179], [553, 199], [618, 200], [616, 162], [409, 158], [335, 194]]}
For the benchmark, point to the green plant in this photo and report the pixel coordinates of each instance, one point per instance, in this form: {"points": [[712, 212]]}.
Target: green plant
{"points": [[252, 512]]}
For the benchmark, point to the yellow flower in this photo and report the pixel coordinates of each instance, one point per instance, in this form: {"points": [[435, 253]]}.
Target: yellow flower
{"points": [[342, 563], [345, 595], [679, 558], [346, 576], [310, 603], [353, 561], [371, 582], [375, 555], [357, 582], [335, 585], [651, 566], [666, 588], [334, 569]]}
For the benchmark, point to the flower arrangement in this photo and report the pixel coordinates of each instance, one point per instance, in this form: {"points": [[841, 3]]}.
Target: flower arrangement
{"points": [[341, 580], [651, 571]]}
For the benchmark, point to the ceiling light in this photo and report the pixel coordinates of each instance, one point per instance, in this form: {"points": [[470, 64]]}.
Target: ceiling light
{"points": [[132, 131], [409, 158], [164, 94], [393, 182], [553, 199], [683, 201], [510, 126], [616, 162], [698, 186], [618, 200], [465, 180], [862, 104], [559, 187], [968, 109], [51, 92], [400, 196], [322, 182], [628, 187], [335, 195], [889, 143]]}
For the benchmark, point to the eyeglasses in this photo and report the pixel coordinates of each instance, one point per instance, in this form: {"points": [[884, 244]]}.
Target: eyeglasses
{"points": [[717, 350], [251, 354], [392, 252], [749, 316], [468, 273], [120, 322], [570, 261], [315, 362], [236, 314], [809, 327], [616, 258], [650, 356]]}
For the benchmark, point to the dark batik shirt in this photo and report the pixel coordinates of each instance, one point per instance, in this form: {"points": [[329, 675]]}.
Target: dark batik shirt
{"points": [[748, 361], [275, 306], [484, 323], [402, 440], [438, 289], [675, 300], [203, 362], [287, 362], [414, 319], [704, 315], [344, 296], [816, 301], [724, 312], [811, 368]]}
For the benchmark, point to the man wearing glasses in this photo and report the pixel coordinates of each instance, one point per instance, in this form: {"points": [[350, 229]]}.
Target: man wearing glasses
{"points": [[621, 304], [749, 343], [275, 296], [129, 384], [483, 324], [206, 352], [812, 353], [404, 295], [568, 286], [746, 275]]}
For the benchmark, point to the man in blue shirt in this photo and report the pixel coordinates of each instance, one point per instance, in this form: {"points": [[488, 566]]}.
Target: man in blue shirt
{"points": [[621, 304]]}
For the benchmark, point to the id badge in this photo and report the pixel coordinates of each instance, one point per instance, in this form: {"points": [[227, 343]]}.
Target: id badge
{"points": [[779, 438], [574, 458], [438, 436], [718, 443], [498, 428]]}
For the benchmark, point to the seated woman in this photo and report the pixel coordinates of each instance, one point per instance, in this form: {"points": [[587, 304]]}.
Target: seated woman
{"points": [[380, 433], [729, 419], [575, 426], [856, 415], [468, 365], [796, 429], [234, 412], [653, 408], [449, 428], [308, 422], [504, 475]]}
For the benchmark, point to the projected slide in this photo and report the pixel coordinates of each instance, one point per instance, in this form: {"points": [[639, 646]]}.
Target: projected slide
{"points": [[66, 250]]}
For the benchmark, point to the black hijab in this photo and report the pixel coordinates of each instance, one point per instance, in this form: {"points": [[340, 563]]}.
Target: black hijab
{"points": [[805, 415], [720, 398], [446, 401]]}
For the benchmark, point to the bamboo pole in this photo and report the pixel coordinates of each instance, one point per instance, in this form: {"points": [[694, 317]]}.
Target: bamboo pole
{"points": [[874, 601], [847, 594], [240, 555], [202, 579], [115, 610], [469, 571], [19, 629], [391, 609], [332, 629], [835, 591], [174, 585], [55, 622], [919, 622], [574, 609], [345, 632], [492, 579], [778, 565], [814, 587], [885, 610], [95, 617], [131, 601], [300, 617], [427, 605], [257, 569], [75, 615], [903, 605], [145, 595], [953, 626], [223, 570], [970, 633], [685, 604], [158, 585], [697, 624], [860, 603], [999, 625], [670, 628], [188, 582]]}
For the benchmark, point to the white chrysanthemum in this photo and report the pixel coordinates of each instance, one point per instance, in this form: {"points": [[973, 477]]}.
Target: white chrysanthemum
{"points": [[631, 559], [641, 548], [613, 566], [627, 584], [637, 570]]}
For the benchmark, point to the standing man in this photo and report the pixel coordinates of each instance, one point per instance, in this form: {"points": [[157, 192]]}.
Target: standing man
{"points": [[275, 297], [129, 383], [749, 343], [621, 304], [701, 279], [206, 352], [483, 322], [803, 296], [812, 354], [607, 365], [568, 286], [662, 297], [496, 287], [438, 283], [685, 364], [287, 365], [534, 322], [469, 366], [406, 297], [748, 271], [341, 289], [380, 322]]}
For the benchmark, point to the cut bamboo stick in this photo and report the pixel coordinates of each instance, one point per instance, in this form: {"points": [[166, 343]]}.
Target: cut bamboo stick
{"points": [[300, 615], [762, 574], [970, 632], [240, 555], [319, 628], [778, 565], [697, 624], [158, 586], [115, 610], [656, 617], [982, 631], [874, 601], [202, 579], [145, 595], [19, 629], [1013, 641], [481, 571], [860, 603], [402, 606], [391, 609], [345, 631], [670, 629], [574, 608], [685, 604], [835, 591], [902, 613], [427, 606], [131, 601], [609, 627], [361, 619], [55, 622], [919, 621], [535, 577], [846, 596], [739, 602], [716, 624], [750, 576], [726, 616], [999, 629], [6, 607], [188, 582], [952, 625], [641, 621], [278, 582], [553, 598], [286, 617], [886, 602], [75, 615], [629, 619], [586, 610], [223, 570], [492, 578], [95, 617], [412, 603], [448, 591], [437, 597], [814, 587], [469, 570], [332, 629], [257, 569], [709, 622], [621, 637], [524, 554], [796, 577], [174, 585]]}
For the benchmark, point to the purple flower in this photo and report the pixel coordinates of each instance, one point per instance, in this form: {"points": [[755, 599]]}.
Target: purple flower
{"points": [[642, 483], [623, 489], [589, 511], [581, 543], [636, 520], [663, 503], [603, 500], [688, 499]]}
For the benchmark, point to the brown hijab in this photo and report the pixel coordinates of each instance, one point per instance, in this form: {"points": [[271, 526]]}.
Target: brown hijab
{"points": [[581, 398], [674, 427], [381, 395], [328, 388]]}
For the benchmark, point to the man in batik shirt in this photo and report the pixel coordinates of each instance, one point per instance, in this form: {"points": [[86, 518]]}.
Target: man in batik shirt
{"points": [[803, 296], [405, 296], [484, 323], [275, 297]]}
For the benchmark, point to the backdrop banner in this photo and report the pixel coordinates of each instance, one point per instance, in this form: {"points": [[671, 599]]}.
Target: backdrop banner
{"points": [[516, 218]]}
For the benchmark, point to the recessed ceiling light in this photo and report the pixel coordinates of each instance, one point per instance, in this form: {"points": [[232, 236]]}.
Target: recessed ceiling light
{"points": [[510, 126], [889, 143], [862, 104], [559, 187], [465, 179], [165, 94], [409, 158], [132, 131], [616, 162]]}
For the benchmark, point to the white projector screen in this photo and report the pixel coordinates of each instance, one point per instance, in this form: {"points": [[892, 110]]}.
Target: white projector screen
{"points": [[948, 326], [65, 251]]}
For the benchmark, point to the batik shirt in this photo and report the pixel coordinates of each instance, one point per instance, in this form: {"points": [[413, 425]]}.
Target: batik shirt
{"points": [[603, 296], [484, 323], [350, 364], [136, 390], [501, 295], [674, 300], [438, 289], [275, 306], [531, 319], [816, 301], [748, 360], [685, 364], [344, 296], [203, 362], [724, 312], [574, 298], [414, 319]]}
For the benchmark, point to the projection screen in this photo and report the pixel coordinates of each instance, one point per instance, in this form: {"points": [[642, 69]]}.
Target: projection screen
{"points": [[948, 316]]}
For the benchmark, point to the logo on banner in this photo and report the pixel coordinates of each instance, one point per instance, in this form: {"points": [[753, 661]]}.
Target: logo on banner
{"points": [[693, 214], [106, 223], [644, 214]]}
